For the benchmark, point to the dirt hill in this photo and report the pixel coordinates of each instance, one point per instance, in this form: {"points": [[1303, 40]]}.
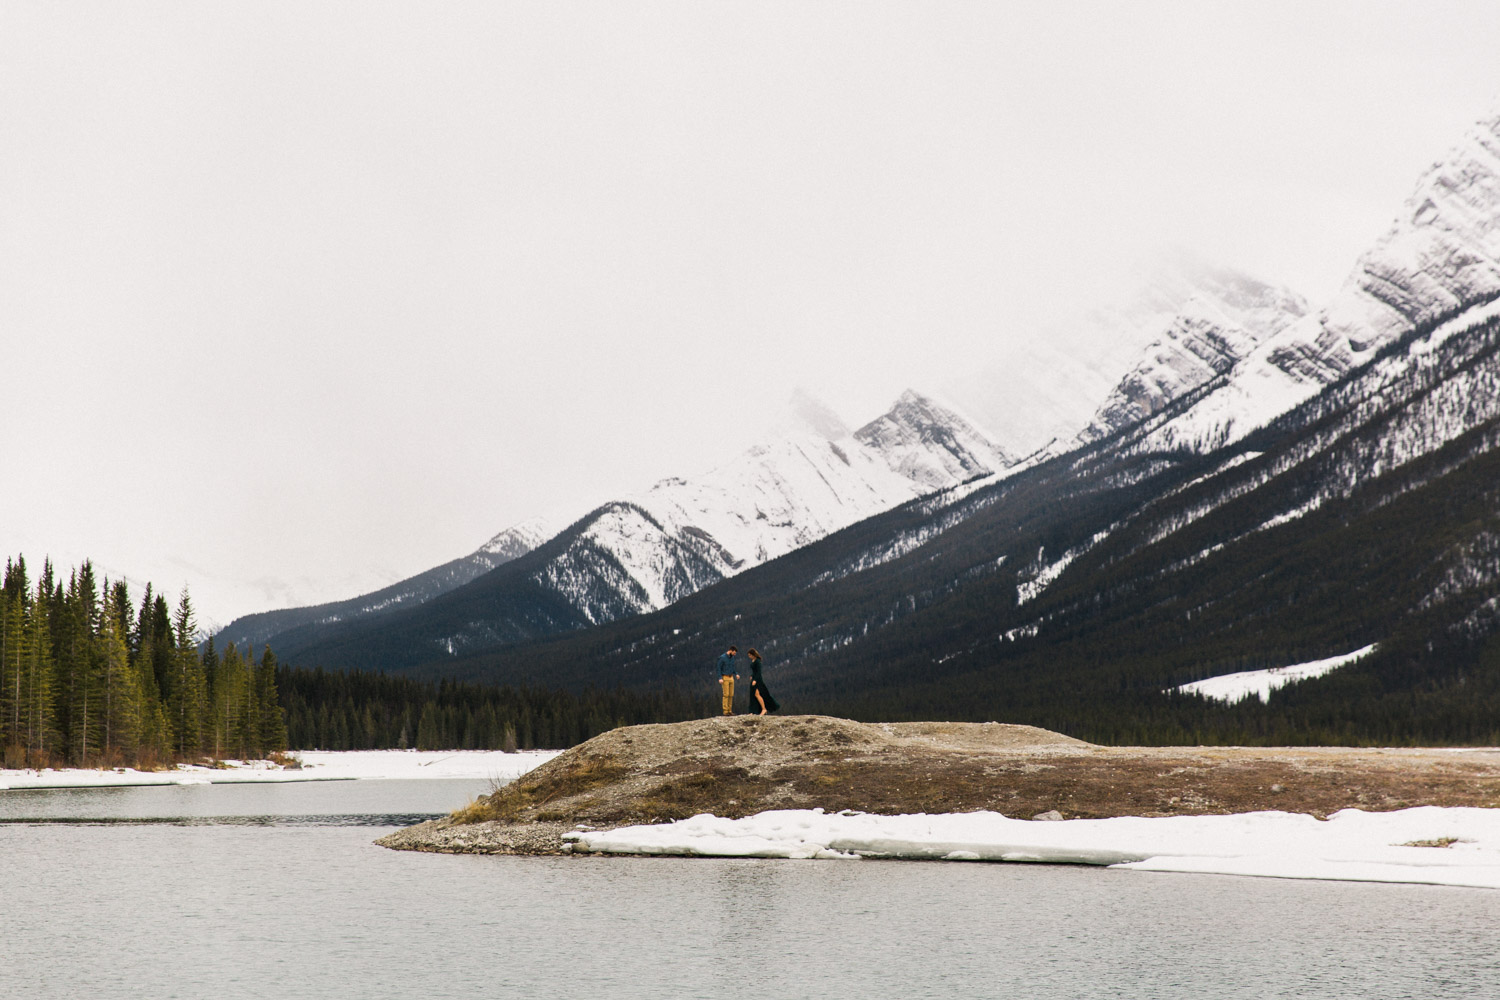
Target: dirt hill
{"points": [[748, 764]]}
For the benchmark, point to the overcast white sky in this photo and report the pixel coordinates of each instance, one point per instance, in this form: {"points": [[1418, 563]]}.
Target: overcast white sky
{"points": [[300, 298]]}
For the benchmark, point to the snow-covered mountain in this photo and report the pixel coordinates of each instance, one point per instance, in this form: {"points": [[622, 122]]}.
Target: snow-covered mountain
{"points": [[1361, 523], [643, 552], [1440, 255], [1084, 378], [1083, 589], [930, 445]]}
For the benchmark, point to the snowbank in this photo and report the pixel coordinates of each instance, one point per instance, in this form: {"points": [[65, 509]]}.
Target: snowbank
{"points": [[1351, 845], [317, 765]]}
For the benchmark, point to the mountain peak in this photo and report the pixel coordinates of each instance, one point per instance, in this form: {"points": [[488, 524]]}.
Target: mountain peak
{"points": [[1441, 251], [930, 444]]}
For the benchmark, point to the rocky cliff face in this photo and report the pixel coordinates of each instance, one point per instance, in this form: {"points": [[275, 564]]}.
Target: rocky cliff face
{"points": [[1441, 253], [930, 445], [1208, 336], [1440, 256], [1087, 376]]}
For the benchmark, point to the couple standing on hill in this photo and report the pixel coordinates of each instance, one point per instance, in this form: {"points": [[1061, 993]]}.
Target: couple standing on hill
{"points": [[758, 692]]}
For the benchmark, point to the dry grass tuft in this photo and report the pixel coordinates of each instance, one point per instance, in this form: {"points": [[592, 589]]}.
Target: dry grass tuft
{"points": [[1434, 842], [730, 792], [545, 785]]}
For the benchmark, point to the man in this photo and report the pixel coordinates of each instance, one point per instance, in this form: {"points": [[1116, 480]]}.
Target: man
{"points": [[726, 678]]}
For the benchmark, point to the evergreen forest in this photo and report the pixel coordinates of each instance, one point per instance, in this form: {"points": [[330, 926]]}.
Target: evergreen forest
{"points": [[90, 678], [332, 710]]}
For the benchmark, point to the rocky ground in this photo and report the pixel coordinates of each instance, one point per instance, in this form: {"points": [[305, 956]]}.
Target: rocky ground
{"points": [[744, 765]]}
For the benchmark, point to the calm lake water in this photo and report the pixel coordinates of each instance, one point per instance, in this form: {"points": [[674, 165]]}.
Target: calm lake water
{"points": [[276, 891]]}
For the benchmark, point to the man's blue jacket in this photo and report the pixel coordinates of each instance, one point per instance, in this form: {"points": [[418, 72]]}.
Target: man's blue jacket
{"points": [[726, 664]]}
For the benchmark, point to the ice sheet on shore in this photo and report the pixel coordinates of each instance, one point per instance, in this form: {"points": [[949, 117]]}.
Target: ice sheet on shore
{"points": [[1350, 845], [317, 765]]}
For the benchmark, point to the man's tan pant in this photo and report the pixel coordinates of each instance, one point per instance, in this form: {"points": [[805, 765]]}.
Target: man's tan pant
{"points": [[727, 683]]}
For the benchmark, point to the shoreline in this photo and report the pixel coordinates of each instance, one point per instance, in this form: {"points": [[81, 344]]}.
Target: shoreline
{"points": [[314, 765]]}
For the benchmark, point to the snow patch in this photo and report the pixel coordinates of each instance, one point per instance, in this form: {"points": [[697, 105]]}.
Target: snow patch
{"points": [[1291, 515], [1045, 576], [1231, 688]]}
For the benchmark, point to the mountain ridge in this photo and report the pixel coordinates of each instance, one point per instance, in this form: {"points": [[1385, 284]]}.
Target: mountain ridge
{"points": [[1440, 253], [640, 553]]}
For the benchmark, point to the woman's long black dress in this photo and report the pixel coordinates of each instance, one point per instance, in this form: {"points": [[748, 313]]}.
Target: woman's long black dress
{"points": [[758, 684]]}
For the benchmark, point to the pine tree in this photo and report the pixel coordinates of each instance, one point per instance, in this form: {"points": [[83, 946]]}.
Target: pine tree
{"points": [[187, 698], [39, 734], [77, 669], [13, 654], [120, 711], [233, 685], [4, 641], [270, 717], [247, 732], [210, 668], [427, 728], [153, 737]]}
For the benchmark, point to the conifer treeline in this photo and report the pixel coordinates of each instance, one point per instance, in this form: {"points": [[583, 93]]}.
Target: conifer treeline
{"points": [[371, 711], [88, 679]]}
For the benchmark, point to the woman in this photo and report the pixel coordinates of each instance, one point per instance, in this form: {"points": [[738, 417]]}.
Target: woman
{"points": [[758, 693]]}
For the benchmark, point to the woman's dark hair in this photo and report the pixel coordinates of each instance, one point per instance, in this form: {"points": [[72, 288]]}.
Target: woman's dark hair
{"points": [[754, 654]]}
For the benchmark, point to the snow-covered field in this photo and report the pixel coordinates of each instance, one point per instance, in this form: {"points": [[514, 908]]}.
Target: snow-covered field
{"points": [[1459, 846], [317, 765]]}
